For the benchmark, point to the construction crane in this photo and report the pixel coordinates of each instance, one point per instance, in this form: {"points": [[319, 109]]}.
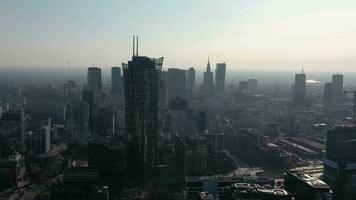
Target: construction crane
{"points": [[353, 105]]}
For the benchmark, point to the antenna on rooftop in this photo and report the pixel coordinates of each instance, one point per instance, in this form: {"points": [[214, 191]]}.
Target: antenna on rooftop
{"points": [[136, 45], [133, 45]]}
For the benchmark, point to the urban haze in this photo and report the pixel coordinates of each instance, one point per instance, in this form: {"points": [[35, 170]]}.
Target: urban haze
{"points": [[177, 100]]}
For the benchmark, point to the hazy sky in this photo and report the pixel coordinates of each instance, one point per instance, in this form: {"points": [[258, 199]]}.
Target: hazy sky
{"points": [[278, 34]]}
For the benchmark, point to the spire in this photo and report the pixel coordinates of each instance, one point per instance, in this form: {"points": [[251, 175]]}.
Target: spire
{"points": [[208, 65], [302, 70]]}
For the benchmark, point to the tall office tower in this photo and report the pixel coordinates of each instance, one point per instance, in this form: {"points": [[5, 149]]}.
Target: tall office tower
{"points": [[191, 78], [220, 73], [337, 89], [94, 78], [208, 78], [299, 89], [340, 161], [141, 88], [177, 83], [115, 80], [328, 95], [252, 85]]}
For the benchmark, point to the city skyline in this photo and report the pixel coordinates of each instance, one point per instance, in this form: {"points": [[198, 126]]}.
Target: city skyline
{"points": [[245, 34]]}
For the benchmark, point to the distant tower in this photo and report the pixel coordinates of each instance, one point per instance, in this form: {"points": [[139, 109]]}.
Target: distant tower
{"points": [[220, 73], [94, 78], [299, 89], [115, 80], [208, 77], [337, 89], [177, 83], [191, 78], [141, 89]]}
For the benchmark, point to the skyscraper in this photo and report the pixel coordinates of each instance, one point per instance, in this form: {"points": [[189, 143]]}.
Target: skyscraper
{"points": [[299, 89], [115, 80], [220, 72], [94, 78], [191, 78], [208, 78], [141, 88], [337, 89], [177, 83]]}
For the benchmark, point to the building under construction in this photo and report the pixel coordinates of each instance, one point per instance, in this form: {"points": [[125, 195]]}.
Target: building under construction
{"points": [[141, 87]]}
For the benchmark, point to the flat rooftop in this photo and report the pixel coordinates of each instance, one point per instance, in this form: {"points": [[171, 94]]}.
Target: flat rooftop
{"points": [[310, 180]]}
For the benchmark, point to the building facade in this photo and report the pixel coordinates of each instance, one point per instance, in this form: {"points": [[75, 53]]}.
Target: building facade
{"points": [[141, 88]]}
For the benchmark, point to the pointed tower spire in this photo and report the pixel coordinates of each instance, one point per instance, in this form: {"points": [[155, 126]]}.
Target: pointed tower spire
{"points": [[208, 65]]}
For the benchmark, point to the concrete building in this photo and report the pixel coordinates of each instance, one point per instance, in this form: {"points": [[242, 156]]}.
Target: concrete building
{"points": [[94, 78], [220, 75], [299, 90], [141, 85]]}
